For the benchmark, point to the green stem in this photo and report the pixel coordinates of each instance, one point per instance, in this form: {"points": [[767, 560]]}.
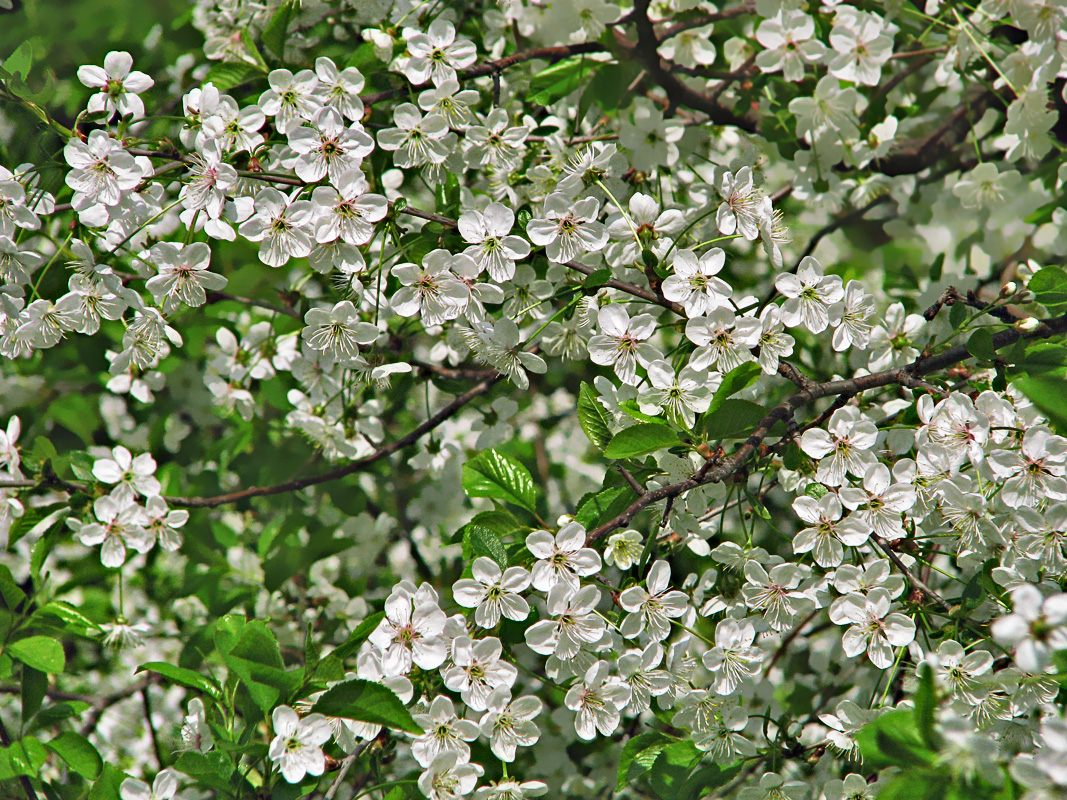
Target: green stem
{"points": [[36, 286]]}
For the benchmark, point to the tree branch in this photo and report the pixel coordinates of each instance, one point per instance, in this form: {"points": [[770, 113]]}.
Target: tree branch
{"points": [[916, 581], [715, 470], [553, 54], [678, 93], [348, 469]]}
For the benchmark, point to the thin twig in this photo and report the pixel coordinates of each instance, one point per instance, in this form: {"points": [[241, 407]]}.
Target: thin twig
{"points": [[911, 576], [351, 467], [638, 488], [346, 765], [147, 704], [717, 469]]}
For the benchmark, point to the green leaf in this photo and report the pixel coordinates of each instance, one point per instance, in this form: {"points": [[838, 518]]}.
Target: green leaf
{"points": [[81, 464], [608, 87], [1046, 392], [36, 524], [230, 74], [629, 770], [816, 490], [107, 785], [253, 51], [33, 689], [740, 377], [595, 509], [633, 409], [757, 507], [921, 784], [79, 754], [957, 315], [593, 417], [19, 62], [980, 345], [483, 542], [69, 614], [1049, 286], [359, 635], [257, 660], [671, 769], [734, 419], [640, 440], [1039, 357], [228, 632], [367, 702], [277, 29], [57, 712], [560, 80], [500, 477], [40, 551], [937, 267], [212, 769], [10, 593], [362, 57], [184, 677], [926, 706], [597, 278], [39, 652], [894, 740], [708, 777], [500, 521], [24, 757]]}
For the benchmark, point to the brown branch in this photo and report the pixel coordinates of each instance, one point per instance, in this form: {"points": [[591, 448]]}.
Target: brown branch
{"points": [[901, 76], [452, 373], [787, 370], [626, 476], [553, 54], [916, 155], [788, 640], [218, 297], [104, 703], [952, 295], [358, 464], [716, 470], [678, 93], [146, 703], [911, 576], [705, 19], [731, 78]]}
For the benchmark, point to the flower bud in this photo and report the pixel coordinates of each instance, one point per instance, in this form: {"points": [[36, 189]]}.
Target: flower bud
{"points": [[1008, 289], [1029, 324]]}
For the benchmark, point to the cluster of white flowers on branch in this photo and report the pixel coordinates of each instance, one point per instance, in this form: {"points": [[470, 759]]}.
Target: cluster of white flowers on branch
{"points": [[524, 243]]}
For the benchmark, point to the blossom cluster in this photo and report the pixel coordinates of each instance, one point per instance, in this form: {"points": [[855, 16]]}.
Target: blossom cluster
{"points": [[856, 488]]}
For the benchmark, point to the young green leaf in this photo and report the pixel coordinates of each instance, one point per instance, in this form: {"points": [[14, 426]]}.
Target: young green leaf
{"points": [[367, 702], [641, 439], [500, 477], [39, 652], [593, 417], [78, 752]]}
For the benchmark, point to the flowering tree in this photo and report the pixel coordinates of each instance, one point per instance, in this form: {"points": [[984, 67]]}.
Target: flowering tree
{"points": [[429, 399]]}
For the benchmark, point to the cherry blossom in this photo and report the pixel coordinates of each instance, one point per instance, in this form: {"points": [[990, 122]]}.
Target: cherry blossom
{"points": [[621, 342], [118, 84], [493, 592], [562, 558]]}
